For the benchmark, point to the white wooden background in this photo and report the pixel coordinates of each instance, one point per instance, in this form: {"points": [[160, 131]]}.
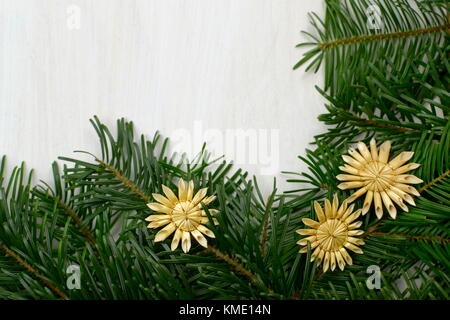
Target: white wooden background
{"points": [[164, 64]]}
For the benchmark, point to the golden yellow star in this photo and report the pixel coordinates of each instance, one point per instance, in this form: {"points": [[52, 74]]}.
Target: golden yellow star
{"points": [[334, 234], [381, 180], [182, 215]]}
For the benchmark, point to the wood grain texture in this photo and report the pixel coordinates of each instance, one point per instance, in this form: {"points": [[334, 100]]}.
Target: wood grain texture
{"points": [[164, 64]]}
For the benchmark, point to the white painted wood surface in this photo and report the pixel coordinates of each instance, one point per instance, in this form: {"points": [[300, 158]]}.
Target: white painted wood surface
{"points": [[165, 64]]}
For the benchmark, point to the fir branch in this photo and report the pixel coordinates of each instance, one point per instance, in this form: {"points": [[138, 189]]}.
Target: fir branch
{"points": [[72, 214], [392, 35], [372, 123], [346, 44], [372, 229], [263, 239], [434, 181], [29, 268], [132, 186], [297, 295], [404, 235], [325, 187], [318, 275], [125, 181], [237, 266]]}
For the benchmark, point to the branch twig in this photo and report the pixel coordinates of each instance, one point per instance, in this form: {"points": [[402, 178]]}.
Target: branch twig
{"points": [[129, 184], [404, 235], [77, 220], [235, 264], [262, 241], [434, 181], [393, 35], [22, 262]]}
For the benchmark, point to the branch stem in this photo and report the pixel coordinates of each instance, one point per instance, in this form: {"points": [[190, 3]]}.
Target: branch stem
{"points": [[381, 125], [235, 264], [84, 229], [404, 235], [393, 35], [23, 263], [434, 181], [262, 240], [129, 184]]}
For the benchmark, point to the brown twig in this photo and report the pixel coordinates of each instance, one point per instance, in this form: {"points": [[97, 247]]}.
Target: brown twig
{"points": [[404, 235], [318, 274], [434, 181], [382, 125], [372, 229], [325, 186], [84, 229], [22, 262], [262, 240], [393, 35], [236, 265], [129, 184], [297, 295]]}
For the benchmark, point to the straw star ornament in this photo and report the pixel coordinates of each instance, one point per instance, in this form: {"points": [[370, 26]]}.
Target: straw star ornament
{"points": [[384, 182], [334, 234], [182, 215]]}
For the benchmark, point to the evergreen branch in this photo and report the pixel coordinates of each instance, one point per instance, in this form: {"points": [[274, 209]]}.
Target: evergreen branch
{"points": [[129, 184], [393, 86], [346, 44], [390, 89], [403, 235], [318, 275], [392, 35], [325, 187], [236, 265], [382, 125], [72, 214], [372, 229], [434, 181], [263, 239], [296, 295], [22, 262]]}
